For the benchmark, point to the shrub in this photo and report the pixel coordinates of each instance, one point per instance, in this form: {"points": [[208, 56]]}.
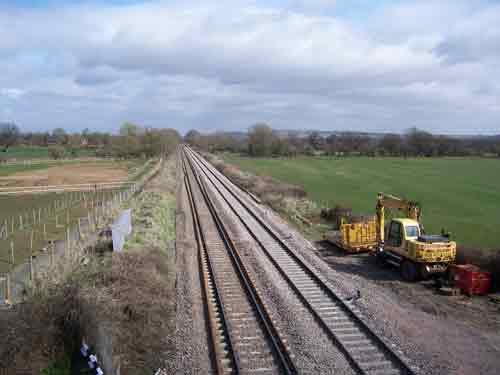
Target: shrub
{"points": [[56, 152]]}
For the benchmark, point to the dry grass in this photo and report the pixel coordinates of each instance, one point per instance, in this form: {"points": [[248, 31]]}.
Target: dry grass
{"points": [[266, 188], [132, 299], [129, 294], [37, 333], [127, 298]]}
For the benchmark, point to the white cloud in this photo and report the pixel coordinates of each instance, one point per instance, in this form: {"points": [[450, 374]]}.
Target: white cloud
{"points": [[12, 93], [235, 63]]}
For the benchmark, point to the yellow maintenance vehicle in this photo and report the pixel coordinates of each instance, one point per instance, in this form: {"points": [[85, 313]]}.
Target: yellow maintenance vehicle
{"points": [[353, 234], [402, 243]]}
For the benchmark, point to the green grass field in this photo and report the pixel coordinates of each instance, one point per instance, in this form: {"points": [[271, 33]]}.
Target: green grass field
{"points": [[6, 170], [35, 152], [461, 195]]}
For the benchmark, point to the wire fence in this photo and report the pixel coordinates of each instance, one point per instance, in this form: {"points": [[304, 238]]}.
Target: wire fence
{"points": [[90, 187], [53, 161], [40, 260]]}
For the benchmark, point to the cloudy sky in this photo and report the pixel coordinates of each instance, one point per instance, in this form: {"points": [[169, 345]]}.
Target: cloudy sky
{"points": [[323, 64]]}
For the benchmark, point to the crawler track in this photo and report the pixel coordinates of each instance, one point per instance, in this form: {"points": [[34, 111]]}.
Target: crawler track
{"points": [[365, 351], [243, 338]]}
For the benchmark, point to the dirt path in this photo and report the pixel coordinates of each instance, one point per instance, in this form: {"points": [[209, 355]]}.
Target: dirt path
{"points": [[437, 334], [67, 174], [454, 335]]}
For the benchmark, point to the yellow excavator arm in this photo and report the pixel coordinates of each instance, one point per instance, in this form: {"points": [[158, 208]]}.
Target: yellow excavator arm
{"points": [[411, 210]]}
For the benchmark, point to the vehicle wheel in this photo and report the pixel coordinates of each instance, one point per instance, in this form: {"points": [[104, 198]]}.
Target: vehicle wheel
{"points": [[409, 271], [424, 275], [380, 260]]}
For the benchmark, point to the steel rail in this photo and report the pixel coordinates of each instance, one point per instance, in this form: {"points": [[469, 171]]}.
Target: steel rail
{"points": [[397, 361], [213, 305], [280, 350]]}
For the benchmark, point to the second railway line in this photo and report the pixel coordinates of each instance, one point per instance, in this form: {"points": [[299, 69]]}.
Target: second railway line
{"points": [[339, 320], [244, 340]]}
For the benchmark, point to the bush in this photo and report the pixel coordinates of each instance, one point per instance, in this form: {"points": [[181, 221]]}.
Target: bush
{"points": [[56, 152]]}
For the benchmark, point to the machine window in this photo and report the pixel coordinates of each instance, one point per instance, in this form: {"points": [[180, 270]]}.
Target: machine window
{"points": [[412, 231], [395, 234]]}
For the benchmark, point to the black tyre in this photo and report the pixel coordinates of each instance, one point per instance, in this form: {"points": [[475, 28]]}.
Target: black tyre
{"points": [[381, 260], [409, 271]]}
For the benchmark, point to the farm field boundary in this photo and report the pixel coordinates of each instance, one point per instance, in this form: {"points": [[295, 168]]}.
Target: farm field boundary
{"points": [[63, 188], [54, 161], [459, 194], [19, 266]]}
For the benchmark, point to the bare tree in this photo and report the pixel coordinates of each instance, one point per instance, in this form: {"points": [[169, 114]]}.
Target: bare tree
{"points": [[192, 137], [60, 135], [391, 144], [260, 140], [420, 143], [9, 135], [316, 141], [129, 129]]}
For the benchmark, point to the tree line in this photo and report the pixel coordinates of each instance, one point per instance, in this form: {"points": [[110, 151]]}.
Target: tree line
{"points": [[132, 141], [263, 141]]}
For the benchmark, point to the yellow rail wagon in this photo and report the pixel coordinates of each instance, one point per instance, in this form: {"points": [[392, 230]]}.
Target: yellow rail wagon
{"points": [[355, 237]]}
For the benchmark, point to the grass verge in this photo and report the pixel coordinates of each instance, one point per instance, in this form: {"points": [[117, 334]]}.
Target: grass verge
{"points": [[121, 301], [294, 204]]}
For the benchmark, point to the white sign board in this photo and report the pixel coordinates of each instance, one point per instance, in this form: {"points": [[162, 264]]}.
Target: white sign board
{"points": [[121, 228]]}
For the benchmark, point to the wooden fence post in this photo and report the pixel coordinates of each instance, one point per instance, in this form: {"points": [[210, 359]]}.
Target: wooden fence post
{"points": [[4, 230], [52, 246], [12, 259], [80, 228], [68, 241], [88, 221], [7, 286], [32, 271]]}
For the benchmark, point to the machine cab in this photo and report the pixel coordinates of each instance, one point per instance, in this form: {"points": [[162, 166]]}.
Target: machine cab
{"points": [[399, 231]]}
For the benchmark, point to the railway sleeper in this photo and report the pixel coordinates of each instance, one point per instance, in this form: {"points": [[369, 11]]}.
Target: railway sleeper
{"points": [[375, 365], [304, 284], [349, 336], [329, 304], [312, 290], [302, 276], [346, 329], [392, 371], [354, 343], [316, 297], [250, 325], [259, 371], [265, 361], [364, 349], [326, 308], [369, 356]]}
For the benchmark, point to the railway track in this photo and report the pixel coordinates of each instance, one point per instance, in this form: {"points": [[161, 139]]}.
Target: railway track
{"points": [[244, 340], [339, 319]]}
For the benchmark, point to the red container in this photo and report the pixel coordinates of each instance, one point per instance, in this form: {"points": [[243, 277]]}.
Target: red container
{"points": [[470, 279]]}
